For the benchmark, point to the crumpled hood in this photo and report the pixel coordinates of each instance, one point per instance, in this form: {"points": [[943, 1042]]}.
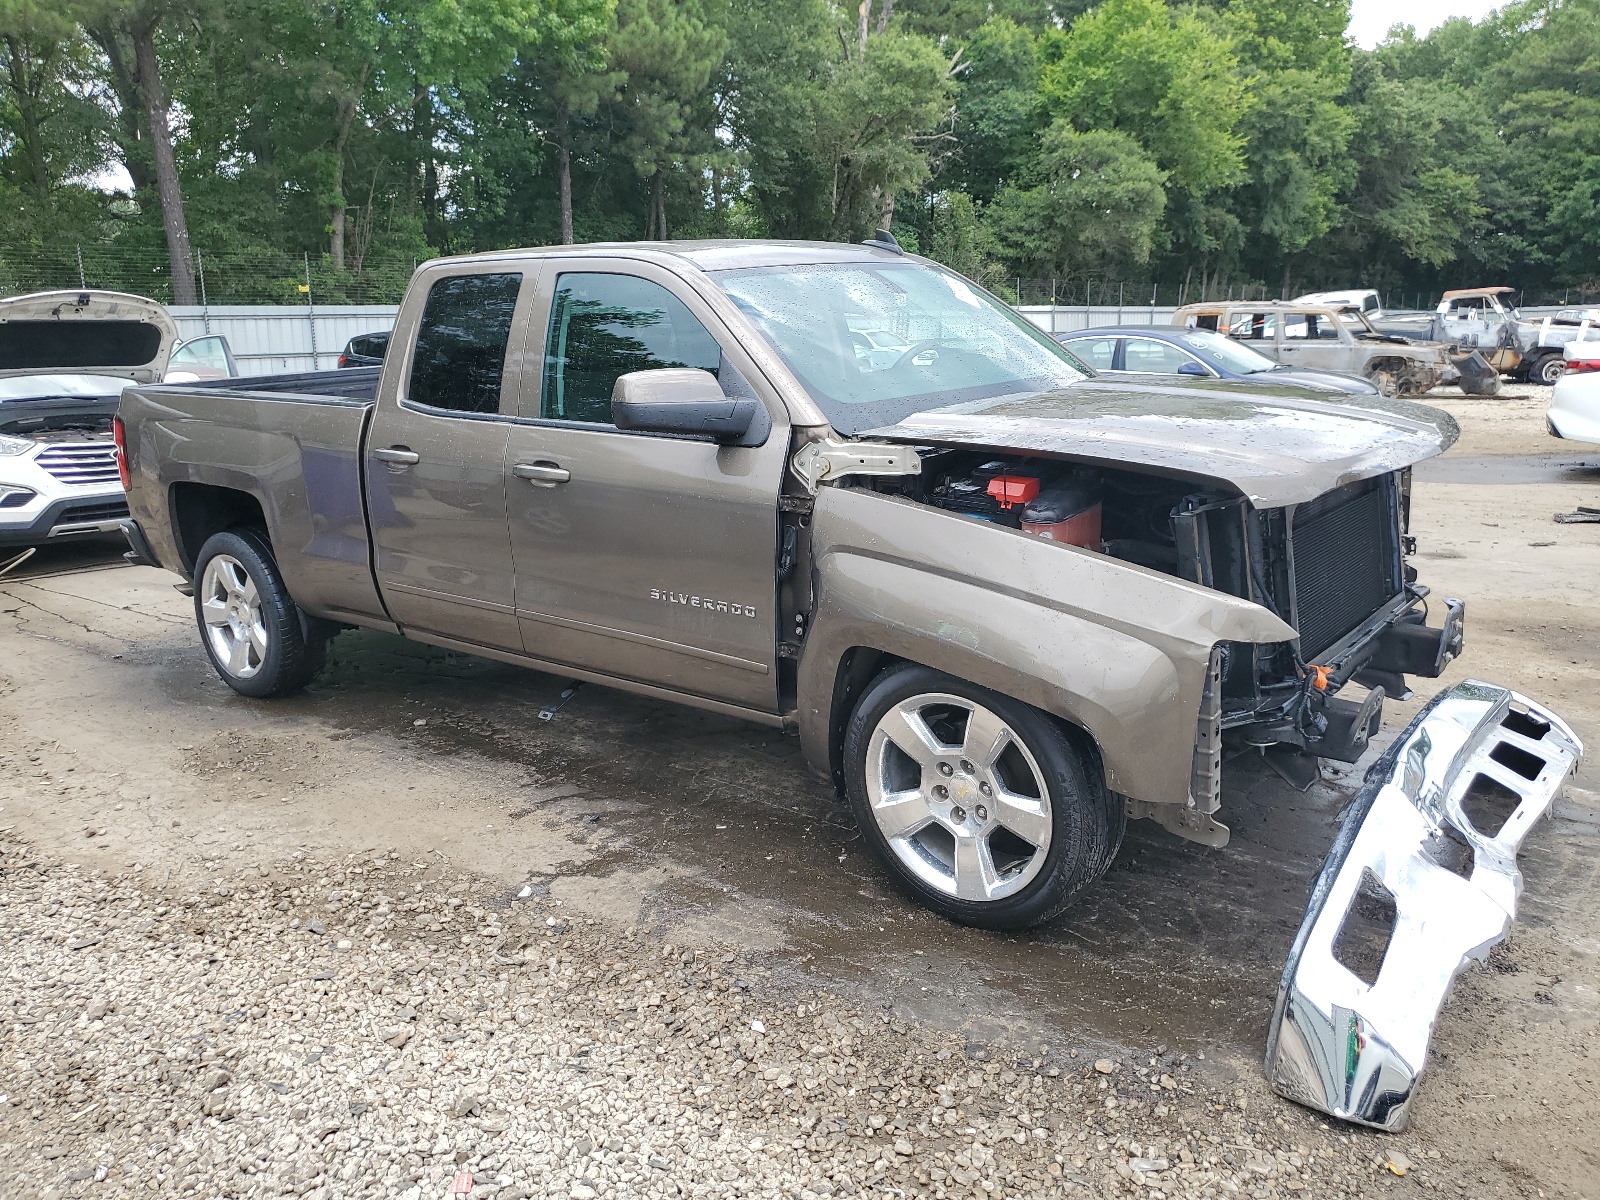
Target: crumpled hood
{"points": [[1276, 449]]}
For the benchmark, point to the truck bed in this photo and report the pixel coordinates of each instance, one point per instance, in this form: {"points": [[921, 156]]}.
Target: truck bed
{"points": [[352, 383], [291, 444]]}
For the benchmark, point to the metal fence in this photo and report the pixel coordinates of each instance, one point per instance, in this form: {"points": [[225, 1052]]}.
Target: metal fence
{"points": [[1064, 318], [272, 340]]}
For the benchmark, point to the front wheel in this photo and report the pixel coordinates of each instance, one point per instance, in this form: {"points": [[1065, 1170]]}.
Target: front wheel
{"points": [[981, 807], [248, 624]]}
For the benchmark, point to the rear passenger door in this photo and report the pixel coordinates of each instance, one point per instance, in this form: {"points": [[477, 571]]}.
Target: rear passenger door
{"points": [[637, 555], [435, 457], [1149, 356]]}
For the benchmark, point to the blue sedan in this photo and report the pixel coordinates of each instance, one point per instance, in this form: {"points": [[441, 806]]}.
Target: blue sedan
{"points": [[1137, 350]]}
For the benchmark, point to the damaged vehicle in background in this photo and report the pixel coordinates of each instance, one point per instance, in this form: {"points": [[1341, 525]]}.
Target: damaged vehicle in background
{"points": [[65, 358], [1321, 337], [1485, 320], [1135, 350], [1005, 604]]}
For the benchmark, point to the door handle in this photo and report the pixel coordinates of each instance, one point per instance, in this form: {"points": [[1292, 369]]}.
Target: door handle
{"points": [[541, 474], [398, 455]]}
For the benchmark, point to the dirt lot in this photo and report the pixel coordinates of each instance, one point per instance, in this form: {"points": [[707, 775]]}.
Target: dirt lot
{"points": [[319, 899]]}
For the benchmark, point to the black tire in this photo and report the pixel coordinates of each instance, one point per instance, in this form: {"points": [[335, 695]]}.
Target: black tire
{"points": [[1085, 820], [290, 660], [1546, 369]]}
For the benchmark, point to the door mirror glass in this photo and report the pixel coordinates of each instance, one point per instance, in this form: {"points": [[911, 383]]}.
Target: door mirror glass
{"points": [[681, 400], [1193, 368]]}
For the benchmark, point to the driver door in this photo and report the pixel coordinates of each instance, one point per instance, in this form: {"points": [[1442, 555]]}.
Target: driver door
{"points": [[643, 556]]}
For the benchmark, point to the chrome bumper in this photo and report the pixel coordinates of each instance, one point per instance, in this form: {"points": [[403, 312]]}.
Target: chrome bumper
{"points": [[1410, 860]]}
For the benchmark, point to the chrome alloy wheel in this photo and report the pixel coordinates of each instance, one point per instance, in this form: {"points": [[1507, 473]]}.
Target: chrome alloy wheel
{"points": [[958, 797], [231, 608]]}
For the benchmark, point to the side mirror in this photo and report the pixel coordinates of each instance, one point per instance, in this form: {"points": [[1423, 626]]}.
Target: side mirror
{"points": [[1193, 368], [684, 401]]}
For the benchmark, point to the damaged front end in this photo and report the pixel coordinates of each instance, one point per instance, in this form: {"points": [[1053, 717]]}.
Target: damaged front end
{"points": [[1421, 879]]}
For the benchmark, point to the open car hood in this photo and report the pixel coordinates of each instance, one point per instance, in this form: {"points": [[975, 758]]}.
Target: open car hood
{"points": [[1277, 449], [85, 332]]}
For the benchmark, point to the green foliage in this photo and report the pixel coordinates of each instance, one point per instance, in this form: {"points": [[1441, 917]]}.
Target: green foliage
{"points": [[1094, 212], [1224, 142], [1168, 77]]}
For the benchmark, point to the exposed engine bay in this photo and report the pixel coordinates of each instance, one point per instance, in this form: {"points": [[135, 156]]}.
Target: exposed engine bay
{"points": [[1334, 568]]}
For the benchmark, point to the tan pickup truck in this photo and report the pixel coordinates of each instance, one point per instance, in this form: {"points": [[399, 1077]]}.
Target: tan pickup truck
{"points": [[1004, 603]]}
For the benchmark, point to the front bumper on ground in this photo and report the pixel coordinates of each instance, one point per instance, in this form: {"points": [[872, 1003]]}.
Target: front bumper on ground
{"points": [[1448, 890]]}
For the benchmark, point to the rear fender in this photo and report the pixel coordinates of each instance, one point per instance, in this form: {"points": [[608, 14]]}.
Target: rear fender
{"points": [[1112, 648]]}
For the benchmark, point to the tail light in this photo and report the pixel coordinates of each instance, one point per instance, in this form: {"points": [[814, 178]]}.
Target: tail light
{"points": [[1579, 366], [344, 360], [120, 434]]}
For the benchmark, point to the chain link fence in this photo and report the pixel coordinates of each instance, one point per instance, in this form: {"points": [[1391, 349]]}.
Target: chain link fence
{"points": [[1096, 293], [221, 278], [232, 277]]}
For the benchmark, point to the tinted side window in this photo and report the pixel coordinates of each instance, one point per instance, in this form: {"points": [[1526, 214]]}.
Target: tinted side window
{"points": [[603, 326], [461, 342], [1099, 353], [371, 346], [1153, 357]]}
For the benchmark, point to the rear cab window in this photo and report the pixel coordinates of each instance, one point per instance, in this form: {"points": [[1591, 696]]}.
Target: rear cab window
{"points": [[459, 361]]}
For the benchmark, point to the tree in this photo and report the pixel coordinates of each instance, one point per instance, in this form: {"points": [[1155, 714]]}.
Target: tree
{"points": [[48, 125], [667, 51], [999, 113], [1296, 132], [126, 31], [1095, 210], [1166, 77]]}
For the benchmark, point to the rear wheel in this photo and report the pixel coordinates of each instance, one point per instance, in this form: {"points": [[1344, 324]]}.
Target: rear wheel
{"points": [[1547, 369], [249, 626], [982, 808]]}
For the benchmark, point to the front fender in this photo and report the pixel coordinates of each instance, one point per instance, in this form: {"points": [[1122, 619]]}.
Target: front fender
{"points": [[1116, 649]]}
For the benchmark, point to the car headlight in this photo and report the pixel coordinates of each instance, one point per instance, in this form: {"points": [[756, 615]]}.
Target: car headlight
{"points": [[14, 445], [12, 496]]}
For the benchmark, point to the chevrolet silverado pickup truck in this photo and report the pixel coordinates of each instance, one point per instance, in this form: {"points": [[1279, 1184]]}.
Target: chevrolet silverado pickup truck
{"points": [[1006, 604]]}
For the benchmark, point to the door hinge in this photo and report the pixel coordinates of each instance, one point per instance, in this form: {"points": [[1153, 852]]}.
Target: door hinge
{"points": [[828, 459]]}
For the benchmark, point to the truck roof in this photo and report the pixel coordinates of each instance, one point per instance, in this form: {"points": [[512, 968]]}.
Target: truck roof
{"points": [[708, 255], [1459, 293]]}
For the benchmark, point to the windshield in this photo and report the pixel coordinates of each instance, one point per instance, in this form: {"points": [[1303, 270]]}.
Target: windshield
{"points": [[1226, 352], [875, 342]]}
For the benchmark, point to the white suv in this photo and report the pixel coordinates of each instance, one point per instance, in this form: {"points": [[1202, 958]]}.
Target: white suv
{"points": [[64, 359]]}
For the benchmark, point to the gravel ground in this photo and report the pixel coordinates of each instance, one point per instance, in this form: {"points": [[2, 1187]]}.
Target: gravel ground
{"points": [[340, 1028]]}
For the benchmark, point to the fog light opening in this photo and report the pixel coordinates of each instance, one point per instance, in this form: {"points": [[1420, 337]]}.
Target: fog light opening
{"points": [[1489, 804], [1367, 930]]}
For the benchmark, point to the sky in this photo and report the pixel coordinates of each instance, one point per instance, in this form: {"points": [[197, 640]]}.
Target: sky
{"points": [[1370, 19]]}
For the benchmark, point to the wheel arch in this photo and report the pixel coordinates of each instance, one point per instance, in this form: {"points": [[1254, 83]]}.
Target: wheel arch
{"points": [[202, 509], [859, 665]]}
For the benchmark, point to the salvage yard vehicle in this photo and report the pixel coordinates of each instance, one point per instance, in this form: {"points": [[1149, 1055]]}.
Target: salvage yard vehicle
{"points": [[1324, 338], [1574, 412], [1005, 604], [65, 358], [1483, 319], [1200, 354]]}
